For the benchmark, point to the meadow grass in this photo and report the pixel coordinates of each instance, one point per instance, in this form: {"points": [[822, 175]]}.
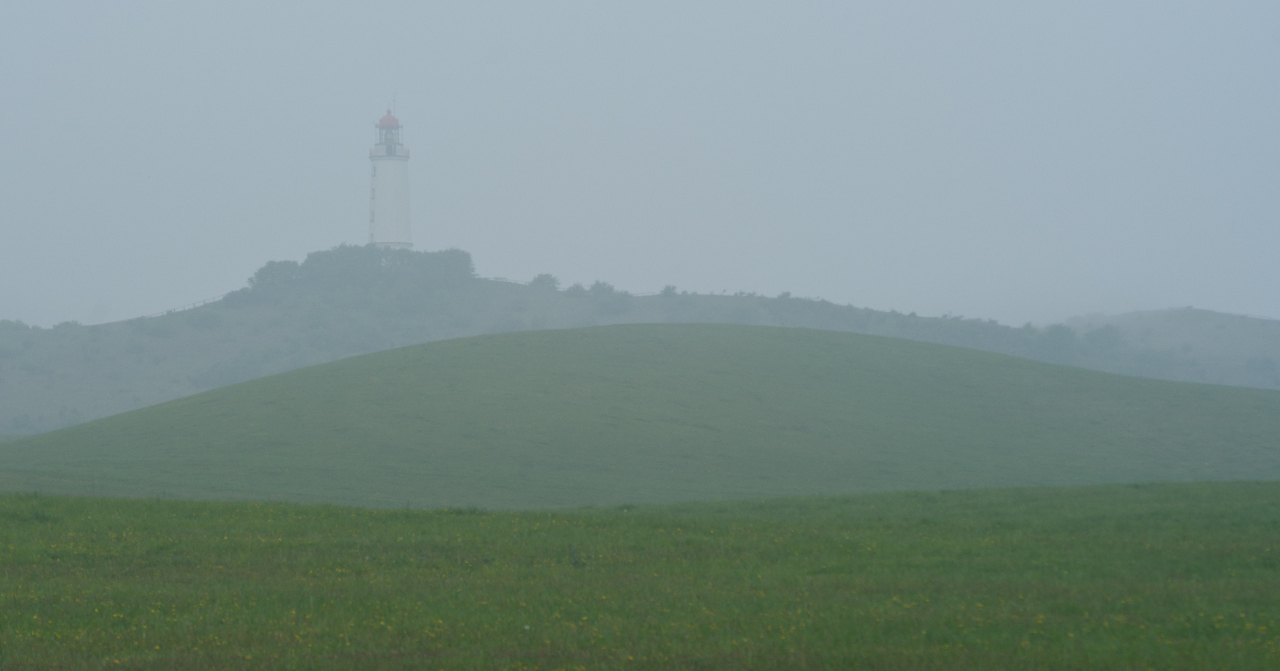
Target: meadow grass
{"points": [[657, 414], [1118, 577]]}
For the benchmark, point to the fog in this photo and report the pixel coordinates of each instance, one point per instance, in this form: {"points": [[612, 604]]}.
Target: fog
{"points": [[1017, 161]]}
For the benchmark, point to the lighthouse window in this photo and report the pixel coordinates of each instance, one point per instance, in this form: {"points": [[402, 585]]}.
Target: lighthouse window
{"points": [[375, 171]]}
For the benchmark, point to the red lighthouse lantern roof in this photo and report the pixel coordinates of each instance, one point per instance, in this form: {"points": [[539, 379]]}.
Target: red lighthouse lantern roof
{"points": [[388, 121]]}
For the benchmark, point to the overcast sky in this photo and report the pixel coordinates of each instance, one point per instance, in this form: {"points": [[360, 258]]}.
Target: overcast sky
{"points": [[1008, 160]]}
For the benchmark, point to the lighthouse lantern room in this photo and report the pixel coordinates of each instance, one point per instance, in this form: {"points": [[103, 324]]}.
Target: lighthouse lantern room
{"points": [[389, 193]]}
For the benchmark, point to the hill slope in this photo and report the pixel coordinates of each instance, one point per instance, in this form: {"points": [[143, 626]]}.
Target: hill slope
{"points": [[657, 413], [355, 300]]}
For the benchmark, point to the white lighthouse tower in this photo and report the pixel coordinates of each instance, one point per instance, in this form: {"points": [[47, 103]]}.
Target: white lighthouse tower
{"points": [[389, 194]]}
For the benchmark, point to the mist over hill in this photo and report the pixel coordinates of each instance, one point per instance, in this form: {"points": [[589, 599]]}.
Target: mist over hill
{"points": [[1205, 346], [355, 300], [657, 413]]}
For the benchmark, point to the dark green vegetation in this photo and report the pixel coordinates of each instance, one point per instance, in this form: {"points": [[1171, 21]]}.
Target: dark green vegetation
{"points": [[1121, 577], [355, 300], [656, 414]]}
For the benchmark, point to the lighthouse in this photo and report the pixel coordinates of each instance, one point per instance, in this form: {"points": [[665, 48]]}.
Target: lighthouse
{"points": [[389, 193]]}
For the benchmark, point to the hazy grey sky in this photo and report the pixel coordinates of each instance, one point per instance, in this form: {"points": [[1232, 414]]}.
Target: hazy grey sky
{"points": [[1013, 160]]}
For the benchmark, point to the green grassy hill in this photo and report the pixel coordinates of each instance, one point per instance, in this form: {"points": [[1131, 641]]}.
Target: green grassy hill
{"points": [[657, 413], [1177, 576], [348, 301]]}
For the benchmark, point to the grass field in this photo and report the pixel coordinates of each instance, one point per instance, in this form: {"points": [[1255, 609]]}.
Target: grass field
{"points": [[655, 414], [5, 437], [1180, 576]]}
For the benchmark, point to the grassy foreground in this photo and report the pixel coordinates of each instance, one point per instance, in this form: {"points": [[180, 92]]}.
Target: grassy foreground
{"points": [[1119, 577], [657, 414]]}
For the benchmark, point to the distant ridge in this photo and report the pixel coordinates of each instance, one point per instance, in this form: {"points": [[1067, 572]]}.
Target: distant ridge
{"points": [[655, 414], [354, 300], [1205, 346]]}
